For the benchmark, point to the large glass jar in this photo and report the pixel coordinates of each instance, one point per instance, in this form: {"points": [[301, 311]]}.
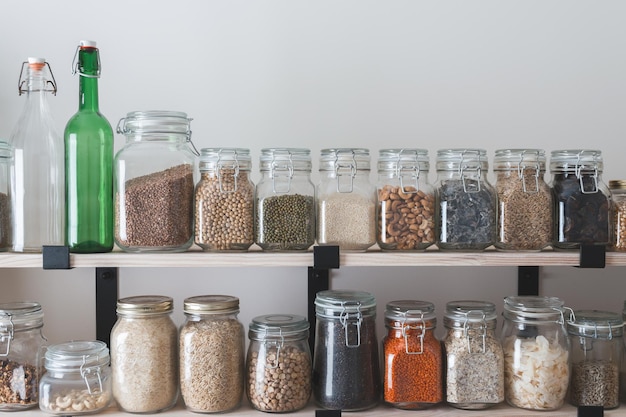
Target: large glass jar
{"points": [[346, 371], [346, 200], [474, 356], [466, 201], [144, 354], [77, 379], [582, 202], [21, 350], [406, 201], [618, 193], [224, 202], [211, 354], [285, 200], [524, 211], [413, 375], [278, 363], [153, 185], [536, 352], [6, 158]]}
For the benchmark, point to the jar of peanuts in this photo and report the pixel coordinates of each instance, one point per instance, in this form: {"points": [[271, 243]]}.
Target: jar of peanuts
{"points": [[618, 192], [406, 200]]}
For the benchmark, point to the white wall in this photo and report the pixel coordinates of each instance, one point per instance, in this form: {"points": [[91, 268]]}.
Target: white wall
{"points": [[376, 74]]}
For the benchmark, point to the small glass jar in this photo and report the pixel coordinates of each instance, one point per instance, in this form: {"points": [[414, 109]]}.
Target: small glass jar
{"points": [[536, 352], [346, 370], [618, 194], [278, 363], [154, 186], [597, 343], [406, 201], [524, 221], [285, 200], [413, 375], [144, 354], [6, 159], [346, 200], [224, 202], [474, 355], [582, 202], [21, 348], [77, 379], [466, 201], [211, 354]]}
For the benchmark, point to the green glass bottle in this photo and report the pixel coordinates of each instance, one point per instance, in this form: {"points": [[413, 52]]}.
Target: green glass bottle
{"points": [[88, 163]]}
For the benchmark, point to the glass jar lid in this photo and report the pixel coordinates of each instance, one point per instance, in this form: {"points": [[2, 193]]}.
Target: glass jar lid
{"points": [[596, 324], [405, 161], [464, 313], [155, 122], [76, 355], [144, 305], [345, 159], [576, 160], [285, 160], [462, 160], [6, 151], [17, 316], [211, 304], [533, 308], [278, 326], [519, 160], [617, 184], [401, 312], [218, 159], [344, 303]]}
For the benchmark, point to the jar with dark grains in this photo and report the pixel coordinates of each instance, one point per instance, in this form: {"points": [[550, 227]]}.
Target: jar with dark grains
{"points": [[6, 158], [466, 201], [405, 218], [346, 200], [524, 214], [346, 372], [413, 375], [278, 363], [582, 202], [153, 183], [224, 200], [474, 372], [618, 194], [285, 201]]}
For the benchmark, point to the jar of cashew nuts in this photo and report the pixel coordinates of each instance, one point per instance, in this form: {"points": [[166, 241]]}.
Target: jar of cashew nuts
{"points": [[406, 200]]}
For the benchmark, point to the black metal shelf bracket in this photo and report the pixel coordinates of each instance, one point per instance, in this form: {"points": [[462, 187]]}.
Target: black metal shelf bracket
{"points": [[56, 257], [106, 302], [325, 258], [590, 411], [592, 256], [527, 280]]}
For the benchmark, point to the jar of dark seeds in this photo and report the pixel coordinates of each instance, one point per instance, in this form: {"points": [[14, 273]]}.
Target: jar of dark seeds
{"points": [[278, 377], [346, 200], [466, 201], [524, 221], [597, 343], [582, 202], [346, 373], [21, 344], [285, 200], [224, 200], [618, 194], [154, 185], [6, 158]]}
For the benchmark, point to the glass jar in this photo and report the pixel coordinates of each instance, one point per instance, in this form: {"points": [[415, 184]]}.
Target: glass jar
{"points": [[524, 211], [278, 363], [77, 379], [597, 343], [346, 200], [474, 355], [406, 201], [154, 185], [536, 352], [6, 159], [346, 373], [285, 200], [211, 354], [144, 354], [466, 201], [224, 200], [582, 201], [21, 349], [618, 194], [413, 374]]}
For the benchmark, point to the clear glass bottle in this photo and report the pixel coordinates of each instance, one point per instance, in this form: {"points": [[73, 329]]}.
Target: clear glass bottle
{"points": [[154, 185], [346, 200], [285, 200], [618, 194], [474, 356], [224, 200], [346, 369], [466, 201], [211, 354], [37, 170], [144, 354], [413, 374], [597, 343], [405, 216], [6, 160], [77, 379], [21, 348], [88, 162], [536, 352], [582, 202], [278, 363], [524, 221]]}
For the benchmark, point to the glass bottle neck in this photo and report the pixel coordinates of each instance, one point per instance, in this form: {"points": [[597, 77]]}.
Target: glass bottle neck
{"points": [[88, 94]]}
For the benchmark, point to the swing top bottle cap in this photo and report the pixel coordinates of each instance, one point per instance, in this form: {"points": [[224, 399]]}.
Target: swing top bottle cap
{"points": [[36, 63], [87, 44]]}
